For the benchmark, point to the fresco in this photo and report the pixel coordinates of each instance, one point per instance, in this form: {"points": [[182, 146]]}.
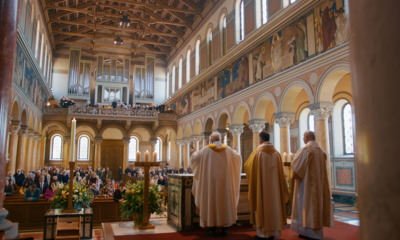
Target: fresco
{"points": [[203, 95], [330, 25], [27, 79], [234, 78], [183, 106]]}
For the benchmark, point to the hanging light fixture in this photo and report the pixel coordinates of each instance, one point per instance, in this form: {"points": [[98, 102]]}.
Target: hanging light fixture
{"points": [[118, 41], [124, 21]]}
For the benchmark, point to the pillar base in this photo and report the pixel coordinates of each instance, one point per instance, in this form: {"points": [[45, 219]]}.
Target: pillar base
{"points": [[10, 229]]}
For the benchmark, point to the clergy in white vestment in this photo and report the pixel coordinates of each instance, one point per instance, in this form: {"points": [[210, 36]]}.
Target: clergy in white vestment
{"points": [[216, 184], [312, 208], [268, 193]]}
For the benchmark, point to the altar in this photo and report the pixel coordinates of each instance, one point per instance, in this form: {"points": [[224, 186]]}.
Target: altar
{"points": [[182, 212]]}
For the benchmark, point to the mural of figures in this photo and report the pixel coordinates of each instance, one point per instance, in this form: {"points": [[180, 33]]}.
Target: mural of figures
{"points": [[330, 25], [262, 66], [183, 105], [19, 66], [276, 52], [203, 95], [234, 78], [298, 43]]}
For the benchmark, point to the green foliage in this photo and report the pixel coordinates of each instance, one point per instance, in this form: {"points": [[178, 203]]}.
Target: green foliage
{"points": [[81, 196], [134, 198]]}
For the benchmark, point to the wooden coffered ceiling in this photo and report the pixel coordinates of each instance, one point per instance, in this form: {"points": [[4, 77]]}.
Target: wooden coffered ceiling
{"points": [[156, 26]]}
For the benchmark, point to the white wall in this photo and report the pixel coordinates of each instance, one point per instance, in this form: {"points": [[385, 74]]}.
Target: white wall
{"points": [[60, 77]]}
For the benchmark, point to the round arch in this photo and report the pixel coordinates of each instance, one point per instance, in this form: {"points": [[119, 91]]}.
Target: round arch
{"points": [[188, 130], [120, 128], [180, 133], [261, 103], [24, 119], [223, 118], [240, 112], [197, 129], [329, 80], [135, 131], [291, 92], [209, 124], [59, 125], [15, 111]]}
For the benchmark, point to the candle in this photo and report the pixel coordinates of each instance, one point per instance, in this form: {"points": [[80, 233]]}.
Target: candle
{"points": [[73, 137], [284, 156], [154, 157], [146, 156], [291, 157], [138, 156]]}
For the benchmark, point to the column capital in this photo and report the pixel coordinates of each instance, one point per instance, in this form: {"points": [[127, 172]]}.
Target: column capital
{"points": [[180, 142], [153, 140], [23, 131], [37, 137], [14, 128], [125, 140], [30, 133], [257, 125], [98, 140], [236, 129], [197, 138], [321, 110], [284, 119]]}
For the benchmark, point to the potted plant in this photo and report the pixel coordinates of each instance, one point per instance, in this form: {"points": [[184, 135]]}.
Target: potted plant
{"points": [[82, 198], [132, 205]]}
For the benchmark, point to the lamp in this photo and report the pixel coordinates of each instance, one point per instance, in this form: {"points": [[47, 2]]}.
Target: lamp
{"points": [[118, 41], [124, 21]]}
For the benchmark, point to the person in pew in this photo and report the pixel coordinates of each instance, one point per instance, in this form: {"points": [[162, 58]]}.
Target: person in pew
{"points": [[48, 195], [42, 185], [118, 194], [93, 188], [19, 178], [32, 194], [9, 188]]}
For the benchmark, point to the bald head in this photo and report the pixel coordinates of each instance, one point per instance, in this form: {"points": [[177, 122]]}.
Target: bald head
{"points": [[308, 136], [215, 137]]}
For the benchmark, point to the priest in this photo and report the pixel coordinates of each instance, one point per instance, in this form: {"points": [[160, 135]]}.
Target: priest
{"points": [[312, 208], [268, 192], [216, 184]]}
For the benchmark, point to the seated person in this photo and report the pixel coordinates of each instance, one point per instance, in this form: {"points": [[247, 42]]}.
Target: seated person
{"points": [[119, 192], [93, 188], [32, 193], [9, 188], [48, 195], [109, 187]]}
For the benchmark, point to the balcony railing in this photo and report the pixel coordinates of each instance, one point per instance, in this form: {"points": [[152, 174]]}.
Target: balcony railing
{"points": [[112, 112]]}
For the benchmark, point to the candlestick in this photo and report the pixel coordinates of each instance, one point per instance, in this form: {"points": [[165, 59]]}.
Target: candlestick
{"points": [[284, 157], [73, 137], [154, 157], [138, 156], [146, 156]]}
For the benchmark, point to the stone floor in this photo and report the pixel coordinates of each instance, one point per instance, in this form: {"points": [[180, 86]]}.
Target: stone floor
{"points": [[343, 213]]}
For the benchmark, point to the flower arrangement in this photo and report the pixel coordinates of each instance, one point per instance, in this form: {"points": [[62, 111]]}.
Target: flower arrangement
{"points": [[81, 196], [134, 198]]}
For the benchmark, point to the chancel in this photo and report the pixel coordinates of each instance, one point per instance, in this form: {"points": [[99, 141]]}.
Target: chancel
{"points": [[104, 105]]}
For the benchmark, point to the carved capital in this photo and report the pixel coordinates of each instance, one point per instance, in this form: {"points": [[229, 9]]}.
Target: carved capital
{"points": [[284, 119], [257, 125], [14, 129], [321, 110], [153, 141], [125, 140], [197, 138], [98, 140], [236, 129], [23, 131], [180, 142]]}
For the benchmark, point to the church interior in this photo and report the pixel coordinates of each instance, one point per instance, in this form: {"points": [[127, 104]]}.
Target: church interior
{"points": [[108, 84]]}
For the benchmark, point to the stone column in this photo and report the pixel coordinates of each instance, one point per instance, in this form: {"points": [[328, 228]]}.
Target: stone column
{"points": [[206, 136], [284, 119], [186, 161], [223, 133], [15, 127], [34, 151], [8, 33], [153, 142], [66, 152], [97, 152], [256, 125], [21, 148], [236, 130], [321, 112], [28, 156], [39, 161], [180, 143], [374, 55], [125, 162]]}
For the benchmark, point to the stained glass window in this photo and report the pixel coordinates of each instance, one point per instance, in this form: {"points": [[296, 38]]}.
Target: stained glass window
{"points": [[197, 58], [188, 66], [133, 148], [83, 148], [241, 21], [56, 147], [348, 129]]}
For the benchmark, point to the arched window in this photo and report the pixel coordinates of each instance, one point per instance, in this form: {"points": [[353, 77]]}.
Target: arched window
{"points": [[188, 66], [347, 118], [287, 2], [209, 47], [277, 137], [241, 21], [311, 122], [223, 34], [37, 41], [264, 11], [306, 122], [173, 80], [197, 58], [56, 147], [180, 74], [133, 149], [168, 86], [342, 128], [158, 149], [83, 148]]}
